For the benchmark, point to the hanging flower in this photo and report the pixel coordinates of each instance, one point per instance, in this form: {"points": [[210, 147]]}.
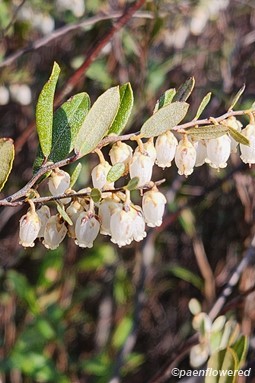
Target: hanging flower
{"points": [[248, 152], [166, 145], [201, 150], [185, 157], [121, 227], [120, 152], [141, 166], [54, 233], [29, 227], [218, 151], [237, 125], [86, 229], [99, 176], [139, 232], [44, 215], [73, 212], [106, 209], [59, 182], [153, 205]]}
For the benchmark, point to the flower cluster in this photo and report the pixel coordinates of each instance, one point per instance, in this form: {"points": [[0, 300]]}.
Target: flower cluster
{"points": [[113, 214]]}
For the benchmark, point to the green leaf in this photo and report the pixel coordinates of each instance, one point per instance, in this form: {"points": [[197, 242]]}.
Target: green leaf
{"points": [[236, 97], [164, 119], [185, 90], [116, 171], [64, 214], [241, 348], [125, 108], [122, 331], [95, 194], [203, 105], [165, 99], [237, 136], [7, 154], [207, 132], [98, 121], [44, 111], [67, 120], [132, 185], [223, 362], [186, 275], [75, 174]]}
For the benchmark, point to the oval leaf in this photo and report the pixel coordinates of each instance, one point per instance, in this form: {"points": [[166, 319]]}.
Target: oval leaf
{"points": [[132, 185], [203, 105], [165, 99], [116, 171], [164, 119], [125, 108], [98, 121], [64, 214], [6, 156], [44, 111], [95, 194], [207, 132], [185, 90], [237, 136]]}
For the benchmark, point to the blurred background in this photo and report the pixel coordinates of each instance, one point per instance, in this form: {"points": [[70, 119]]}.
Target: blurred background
{"points": [[66, 315]]}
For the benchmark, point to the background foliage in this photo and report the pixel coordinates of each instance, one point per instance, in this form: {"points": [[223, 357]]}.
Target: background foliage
{"points": [[65, 315]]}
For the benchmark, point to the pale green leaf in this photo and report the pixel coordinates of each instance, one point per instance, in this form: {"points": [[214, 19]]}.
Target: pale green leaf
{"points": [[237, 136], [164, 119], [236, 97], [125, 108], [116, 171], [207, 132], [75, 174], [165, 99], [122, 331], [6, 157], [241, 348], [95, 195], [203, 105], [224, 360], [44, 111], [132, 185], [230, 363], [184, 91], [98, 121], [64, 214]]}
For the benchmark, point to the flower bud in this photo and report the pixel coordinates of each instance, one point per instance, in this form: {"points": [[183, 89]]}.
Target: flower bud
{"points": [[141, 167], [185, 157], [121, 227], [29, 229], [248, 152], [165, 149], [44, 215], [106, 209], [153, 205], [86, 229], [99, 176], [59, 182], [120, 152], [218, 151], [54, 233]]}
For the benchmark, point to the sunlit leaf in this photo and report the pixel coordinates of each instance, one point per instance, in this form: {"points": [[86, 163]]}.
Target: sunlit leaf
{"points": [[125, 108], [116, 171], [236, 97], [207, 132], [165, 99], [121, 332], [237, 136], [203, 105], [98, 121], [184, 91], [64, 214], [241, 348], [164, 119], [6, 157], [44, 111]]}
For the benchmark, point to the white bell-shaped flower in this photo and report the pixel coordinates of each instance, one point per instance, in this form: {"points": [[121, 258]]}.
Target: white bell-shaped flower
{"points": [[166, 145], [99, 176], [44, 215], [120, 152], [86, 229], [121, 227], [153, 205], [139, 232], [73, 212], [201, 150], [237, 125], [29, 227], [150, 149], [106, 209], [54, 233], [199, 354], [248, 152], [59, 182], [218, 151], [185, 157], [141, 166]]}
